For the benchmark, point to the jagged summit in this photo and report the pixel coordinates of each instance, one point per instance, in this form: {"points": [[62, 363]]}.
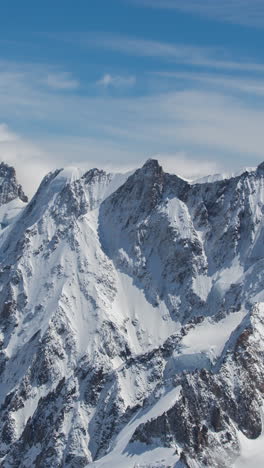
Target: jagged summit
{"points": [[9, 187], [260, 167], [152, 165], [12, 198]]}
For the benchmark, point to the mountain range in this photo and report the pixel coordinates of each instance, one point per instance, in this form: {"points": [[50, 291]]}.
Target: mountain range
{"points": [[132, 320]]}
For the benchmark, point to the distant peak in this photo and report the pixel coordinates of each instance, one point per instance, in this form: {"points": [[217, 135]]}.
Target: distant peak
{"points": [[260, 167], [6, 169], [152, 163], [152, 167], [93, 173], [9, 187]]}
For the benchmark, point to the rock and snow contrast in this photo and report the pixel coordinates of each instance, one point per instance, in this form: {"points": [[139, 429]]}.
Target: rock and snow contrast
{"points": [[12, 197], [132, 320]]}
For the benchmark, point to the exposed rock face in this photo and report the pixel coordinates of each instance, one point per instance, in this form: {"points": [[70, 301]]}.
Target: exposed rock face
{"points": [[214, 402], [9, 187], [132, 321]]}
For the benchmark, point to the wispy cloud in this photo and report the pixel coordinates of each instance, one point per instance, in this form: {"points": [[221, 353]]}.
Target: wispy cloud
{"points": [[33, 160], [244, 12], [183, 124], [5, 134], [174, 53], [37, 75], [116, 81], [222, 82], [63, 81], [29, 159]]}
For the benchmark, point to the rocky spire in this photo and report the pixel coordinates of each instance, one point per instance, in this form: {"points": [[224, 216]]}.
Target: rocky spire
{"points": [[260, 167], [9, 187]]}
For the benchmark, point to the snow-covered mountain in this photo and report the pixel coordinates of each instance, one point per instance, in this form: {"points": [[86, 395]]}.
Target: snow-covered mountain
{"points": [[132, 321]]}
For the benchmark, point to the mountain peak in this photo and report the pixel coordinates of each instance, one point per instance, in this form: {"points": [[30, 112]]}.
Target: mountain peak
{"points": [[260, 167], [9, 186], [152, 165]]}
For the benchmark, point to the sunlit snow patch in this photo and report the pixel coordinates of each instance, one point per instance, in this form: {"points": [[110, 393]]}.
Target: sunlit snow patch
{"points": [[252, 450], [10, 211], [141, 455]]}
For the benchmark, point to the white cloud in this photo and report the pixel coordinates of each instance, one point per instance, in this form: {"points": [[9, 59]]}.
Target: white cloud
{"points": [[6, 135], [116, 81], [187, 167], [244, 12], [33, 160]]}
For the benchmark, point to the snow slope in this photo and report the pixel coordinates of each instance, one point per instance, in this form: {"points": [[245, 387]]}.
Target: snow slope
{"points": [[125, 455], [251, 452], [10, 211]]}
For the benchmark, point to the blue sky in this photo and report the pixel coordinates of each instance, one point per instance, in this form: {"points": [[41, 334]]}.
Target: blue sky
{"points": [[109, 83]]}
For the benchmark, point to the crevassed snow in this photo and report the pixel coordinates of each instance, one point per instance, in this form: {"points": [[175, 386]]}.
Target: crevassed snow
{"points": [[125, 455]]}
